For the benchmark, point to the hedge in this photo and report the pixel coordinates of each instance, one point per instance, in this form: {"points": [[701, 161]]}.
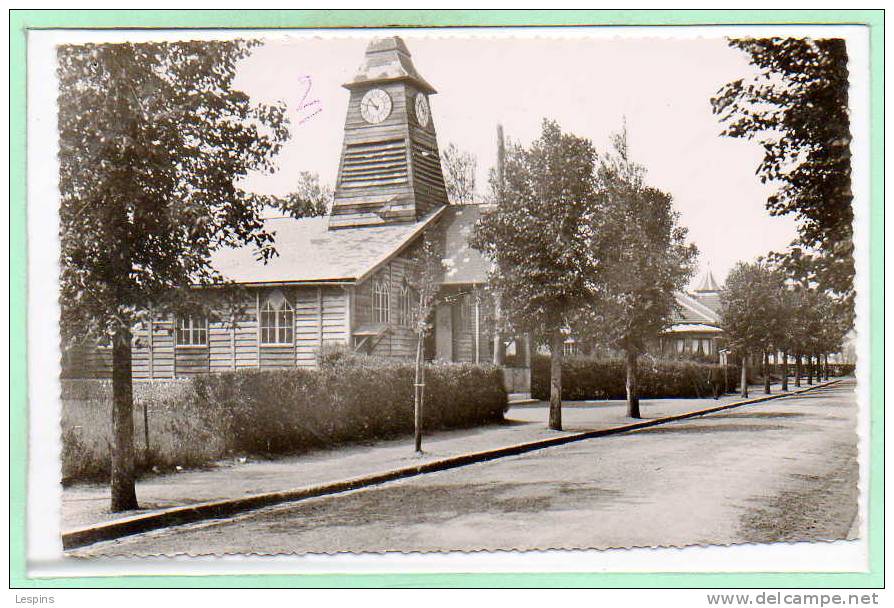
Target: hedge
{"points": [[587, 378], [273, 412]]}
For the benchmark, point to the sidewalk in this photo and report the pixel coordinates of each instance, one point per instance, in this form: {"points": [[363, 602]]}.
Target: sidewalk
{"points": [[87, 504]]}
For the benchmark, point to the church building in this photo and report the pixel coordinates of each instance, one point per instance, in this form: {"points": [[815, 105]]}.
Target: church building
{"points": [[340, 280]]}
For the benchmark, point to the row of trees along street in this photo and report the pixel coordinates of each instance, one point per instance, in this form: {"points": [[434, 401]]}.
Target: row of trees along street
{"points": [[581, 244], [154, 141], [763, 312], [798, 302]]}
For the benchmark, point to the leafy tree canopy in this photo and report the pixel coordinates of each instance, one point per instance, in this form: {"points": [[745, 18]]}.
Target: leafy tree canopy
{"points": [[152, 140], [543, 231], [752, 307], [796, 108], [459, 169], [644, 250], [310, 198]]}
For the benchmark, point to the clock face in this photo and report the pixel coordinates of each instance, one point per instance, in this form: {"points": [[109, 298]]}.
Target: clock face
{"points": [[375, 106], [422, 112]]}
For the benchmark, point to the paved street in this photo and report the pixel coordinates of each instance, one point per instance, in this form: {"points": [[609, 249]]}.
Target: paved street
{"points": [[783, 470]]}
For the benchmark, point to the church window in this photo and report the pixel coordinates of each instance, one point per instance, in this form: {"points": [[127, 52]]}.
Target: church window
{"points": [[381, 302], [277, 321], [405, 306]]}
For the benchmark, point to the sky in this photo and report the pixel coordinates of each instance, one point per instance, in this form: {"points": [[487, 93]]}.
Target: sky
{"points": [[590, 86]]}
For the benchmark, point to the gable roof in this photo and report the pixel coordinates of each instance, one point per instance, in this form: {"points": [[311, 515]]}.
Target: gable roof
{"points": [[464, 264], [311, 253]]}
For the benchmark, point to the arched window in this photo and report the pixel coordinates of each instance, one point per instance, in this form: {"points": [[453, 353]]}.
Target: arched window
{"points": [[192, 330], [405, 305], [277, 321], [381, 302]]}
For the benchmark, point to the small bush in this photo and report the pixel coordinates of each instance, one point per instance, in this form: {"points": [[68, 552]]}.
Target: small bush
{"points": [[590, 378], [841, 369], [195, 422]]}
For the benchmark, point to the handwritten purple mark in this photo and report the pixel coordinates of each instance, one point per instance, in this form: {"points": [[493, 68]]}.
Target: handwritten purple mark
{"points": [[313, 106]]}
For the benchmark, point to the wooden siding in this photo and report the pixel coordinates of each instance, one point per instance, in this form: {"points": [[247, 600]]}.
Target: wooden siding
{"points": [[321, 317], [388, 172], [277, 357], [400, 340], [191, 361]]}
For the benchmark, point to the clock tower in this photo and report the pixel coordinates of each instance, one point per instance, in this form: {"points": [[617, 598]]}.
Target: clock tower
{"points": [[390, 168]]}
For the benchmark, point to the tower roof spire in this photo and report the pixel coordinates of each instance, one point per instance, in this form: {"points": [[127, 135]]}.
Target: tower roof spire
{"points": [[708, 283], [388, 60]]}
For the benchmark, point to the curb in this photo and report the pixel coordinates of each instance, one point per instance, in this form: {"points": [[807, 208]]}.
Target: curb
{"points": [[523, 402], [219, 509]]}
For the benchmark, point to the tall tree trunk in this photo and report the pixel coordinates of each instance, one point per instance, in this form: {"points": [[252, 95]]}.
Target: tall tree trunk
{"points": [[632, 397], [826, 366], [766, 373], [809, 369], [499, 346], [419, 394], [798, 368], [745, 375], [784, 370], [555, 381], [123, 489]]}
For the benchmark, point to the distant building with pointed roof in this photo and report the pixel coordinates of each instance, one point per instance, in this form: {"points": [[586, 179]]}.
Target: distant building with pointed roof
{"points": [[696, 326]]}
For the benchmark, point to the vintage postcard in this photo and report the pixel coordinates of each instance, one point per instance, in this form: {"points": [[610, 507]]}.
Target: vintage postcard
{"points": [[424, 292]]}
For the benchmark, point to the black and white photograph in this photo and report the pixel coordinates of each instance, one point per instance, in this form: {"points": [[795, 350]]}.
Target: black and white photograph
{"points": [[418, 291]]}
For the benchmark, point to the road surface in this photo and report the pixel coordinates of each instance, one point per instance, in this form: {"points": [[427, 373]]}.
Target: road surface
{"points": [[784, 470]]}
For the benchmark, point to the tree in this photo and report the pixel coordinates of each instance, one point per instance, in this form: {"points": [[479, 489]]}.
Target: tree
{"points": [[786, 339], [152, 141], [541, 237], [796, 107], [425, 271], [647, 256], [750, 312], [310, 198], [459, 174]]}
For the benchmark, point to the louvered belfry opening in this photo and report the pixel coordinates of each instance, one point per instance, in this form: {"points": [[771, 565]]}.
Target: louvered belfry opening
{"points": [[390, 169], [378, 163]]}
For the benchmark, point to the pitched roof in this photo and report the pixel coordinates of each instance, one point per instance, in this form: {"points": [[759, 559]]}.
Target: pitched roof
{"points": [[699, 328], [388, 59], [464, 264], [711, 300], [309, 252], [691, 311]]}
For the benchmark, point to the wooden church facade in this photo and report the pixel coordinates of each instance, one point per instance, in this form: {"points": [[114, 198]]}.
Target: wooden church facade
{"points": [[339, 281]]}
